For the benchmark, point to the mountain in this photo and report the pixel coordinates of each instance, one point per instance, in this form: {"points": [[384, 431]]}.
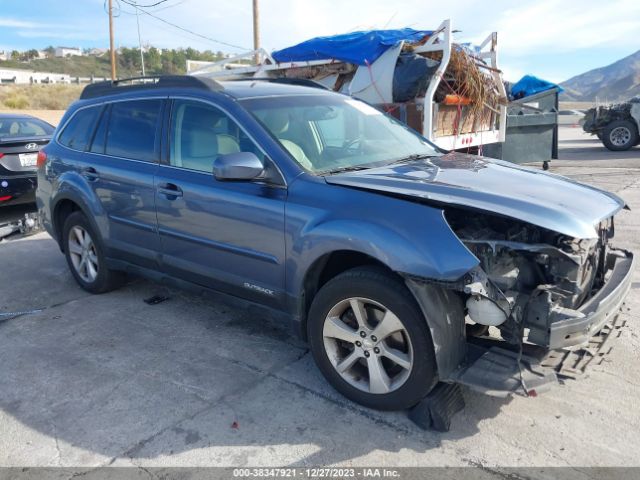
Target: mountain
{"points": [[616, 82]]}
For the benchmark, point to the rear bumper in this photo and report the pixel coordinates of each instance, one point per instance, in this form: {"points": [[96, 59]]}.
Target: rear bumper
{"points": [[599, 309], [21, 189]]}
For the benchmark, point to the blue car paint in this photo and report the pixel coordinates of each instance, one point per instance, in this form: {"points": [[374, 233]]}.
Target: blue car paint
{"points": [[546, 200], [407, 237], [258, 241], [223, 233]]}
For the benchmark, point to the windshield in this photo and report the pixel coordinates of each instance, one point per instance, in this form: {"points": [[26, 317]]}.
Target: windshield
{"points": [[23, 127], [329, 133]]}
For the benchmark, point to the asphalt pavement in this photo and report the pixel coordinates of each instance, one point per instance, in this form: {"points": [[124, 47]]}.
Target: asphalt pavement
{"points": [[95, 380]]}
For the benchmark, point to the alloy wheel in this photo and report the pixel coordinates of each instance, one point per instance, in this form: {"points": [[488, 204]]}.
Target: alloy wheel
{"points": [[82, 252], [368, 345]]}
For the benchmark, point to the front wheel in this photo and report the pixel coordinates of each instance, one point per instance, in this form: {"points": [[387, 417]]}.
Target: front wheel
{"points": [[371, 341], [85, 256], [620, 135]]}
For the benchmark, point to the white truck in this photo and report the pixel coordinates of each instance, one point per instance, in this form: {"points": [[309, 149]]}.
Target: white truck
{"points": [[441, 111]]}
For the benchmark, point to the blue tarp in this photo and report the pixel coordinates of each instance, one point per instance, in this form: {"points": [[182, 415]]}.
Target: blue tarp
{"points": [[354, 47], [530, 85]]}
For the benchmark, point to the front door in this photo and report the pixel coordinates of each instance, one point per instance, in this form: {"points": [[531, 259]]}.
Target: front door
{"points": [[224, 235]]}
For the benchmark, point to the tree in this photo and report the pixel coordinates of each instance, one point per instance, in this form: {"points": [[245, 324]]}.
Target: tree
{"points": [[15, 55], [153, 61], [31, 54], [50, 52]]}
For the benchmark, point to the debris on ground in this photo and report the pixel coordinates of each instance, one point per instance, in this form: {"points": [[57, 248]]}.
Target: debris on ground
{"points": [[24, 226]]}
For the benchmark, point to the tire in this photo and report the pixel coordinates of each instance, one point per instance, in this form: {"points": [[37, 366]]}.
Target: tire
{"points": [[620, 135], [94, 277], [377, 291]]}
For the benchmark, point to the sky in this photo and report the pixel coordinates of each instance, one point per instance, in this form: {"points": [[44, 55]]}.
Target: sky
{"points": [[552, 39]]}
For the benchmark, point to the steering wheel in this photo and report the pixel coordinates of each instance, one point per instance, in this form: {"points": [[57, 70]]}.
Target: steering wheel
{"points": [[351, 144]]}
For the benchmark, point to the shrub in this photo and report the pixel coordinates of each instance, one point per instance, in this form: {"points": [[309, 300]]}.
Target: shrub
{"points": [[16, 101], [39, 97]]}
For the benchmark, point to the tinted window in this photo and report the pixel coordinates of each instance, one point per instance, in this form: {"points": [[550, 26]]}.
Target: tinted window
{"points": [[23, 127], [77, 133], [132, 129], [201, 132], [100, 137]]}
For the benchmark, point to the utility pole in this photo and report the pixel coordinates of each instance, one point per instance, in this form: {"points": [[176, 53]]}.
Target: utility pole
{"points": [[139, 39], [256, 30], [113, 52]]}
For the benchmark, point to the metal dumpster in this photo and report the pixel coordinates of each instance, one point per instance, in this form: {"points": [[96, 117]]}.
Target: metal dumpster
{"points": [[532, 130]]}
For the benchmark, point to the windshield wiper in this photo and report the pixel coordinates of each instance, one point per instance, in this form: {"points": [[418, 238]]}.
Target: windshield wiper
{"points": [[409, 158], [351, 168], [354, 168]]}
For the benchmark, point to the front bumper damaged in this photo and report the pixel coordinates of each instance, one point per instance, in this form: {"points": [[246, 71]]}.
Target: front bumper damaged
{"points": [[562, 347], [599, 309]]}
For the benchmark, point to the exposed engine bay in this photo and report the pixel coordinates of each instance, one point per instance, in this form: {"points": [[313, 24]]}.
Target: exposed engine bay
{"points": [[528, 277]]}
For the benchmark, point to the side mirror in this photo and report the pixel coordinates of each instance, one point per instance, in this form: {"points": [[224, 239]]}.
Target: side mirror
{"points": [[237, 166]]}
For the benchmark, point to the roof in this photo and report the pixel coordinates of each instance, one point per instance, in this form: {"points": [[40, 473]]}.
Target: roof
{"points": [[18, 115], [258, 88], [237, 89]]}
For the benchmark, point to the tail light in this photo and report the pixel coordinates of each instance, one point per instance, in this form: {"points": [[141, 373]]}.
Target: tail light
{"points": [[1, 154], [42, 158], [5, 198]]}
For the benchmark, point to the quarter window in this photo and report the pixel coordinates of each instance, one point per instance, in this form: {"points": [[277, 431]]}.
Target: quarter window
{"points": [[132, 129], [77, 133], [201, 132]]}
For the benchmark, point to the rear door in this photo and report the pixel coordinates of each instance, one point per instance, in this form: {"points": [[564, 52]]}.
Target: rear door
{"points": [[120, 166]]}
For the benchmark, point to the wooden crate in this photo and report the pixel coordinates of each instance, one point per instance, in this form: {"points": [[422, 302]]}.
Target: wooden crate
{"points": [[454, 120]]}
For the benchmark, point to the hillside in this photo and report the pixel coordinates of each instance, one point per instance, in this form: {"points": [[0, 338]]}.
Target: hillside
{"points": [[74, 66], [156, 62], [616, 82]]}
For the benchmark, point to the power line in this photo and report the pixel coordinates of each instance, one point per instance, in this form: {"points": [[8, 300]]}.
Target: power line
{"points": [[151, 5], [128, 2]]}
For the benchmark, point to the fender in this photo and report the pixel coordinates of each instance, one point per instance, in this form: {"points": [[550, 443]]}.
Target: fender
{"points": [[412, 239], [409, 238], [72, 186]]}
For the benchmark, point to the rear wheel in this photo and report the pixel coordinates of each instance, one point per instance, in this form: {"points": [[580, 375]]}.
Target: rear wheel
{"points": [[371, 341], [620, 135], [85, 256]]}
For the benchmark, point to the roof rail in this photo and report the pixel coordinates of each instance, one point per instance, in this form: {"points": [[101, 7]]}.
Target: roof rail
{"points": [[100, 89], [303, 82]]}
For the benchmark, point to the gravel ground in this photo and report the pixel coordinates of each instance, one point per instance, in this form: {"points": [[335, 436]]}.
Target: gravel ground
{"points": [[89, 380]]}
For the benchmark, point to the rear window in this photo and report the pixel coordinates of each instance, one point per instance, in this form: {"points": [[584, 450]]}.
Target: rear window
{"points": [[77, 133], [132, 129], [23, 127]]}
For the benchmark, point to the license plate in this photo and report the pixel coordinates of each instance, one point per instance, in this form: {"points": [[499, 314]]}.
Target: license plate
{"points": [[28, 159]]}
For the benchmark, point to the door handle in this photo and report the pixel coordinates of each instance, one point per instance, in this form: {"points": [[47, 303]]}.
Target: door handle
{"points": [[170, 190], [90, 174]]}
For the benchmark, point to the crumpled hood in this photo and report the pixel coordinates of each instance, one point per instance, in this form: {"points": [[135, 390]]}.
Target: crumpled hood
{"points": [[540, 198]]}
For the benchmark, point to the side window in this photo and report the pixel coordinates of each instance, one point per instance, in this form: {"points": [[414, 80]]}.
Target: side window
{"points": [[131, 132], [200, 132], [100, 137], [77, 133]]}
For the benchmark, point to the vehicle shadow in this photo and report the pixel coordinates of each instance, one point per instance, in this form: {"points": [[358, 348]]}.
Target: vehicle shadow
{"points": [[188, 380]]}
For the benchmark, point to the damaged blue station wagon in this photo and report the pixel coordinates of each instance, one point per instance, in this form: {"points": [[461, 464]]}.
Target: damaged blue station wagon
{"points": [[402, 265]]}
